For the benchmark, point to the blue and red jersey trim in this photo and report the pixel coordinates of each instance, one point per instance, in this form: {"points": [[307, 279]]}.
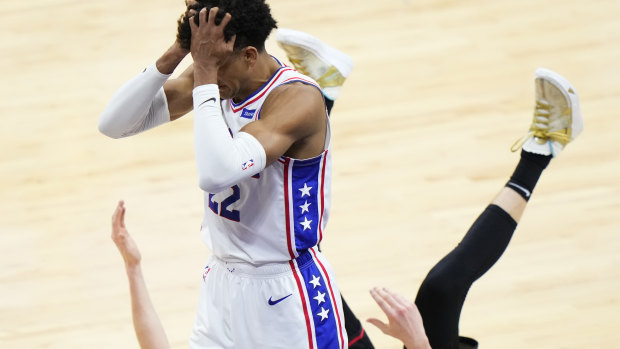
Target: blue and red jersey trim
{"points": [[304, 202]]}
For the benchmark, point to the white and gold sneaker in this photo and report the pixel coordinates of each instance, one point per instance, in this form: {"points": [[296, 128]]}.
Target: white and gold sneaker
{"points": [[557, 117], [310, 56]]}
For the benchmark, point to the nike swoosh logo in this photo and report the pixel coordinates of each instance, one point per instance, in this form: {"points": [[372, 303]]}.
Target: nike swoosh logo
{"points": [[527, 192], [278, 300], [208, 100]]}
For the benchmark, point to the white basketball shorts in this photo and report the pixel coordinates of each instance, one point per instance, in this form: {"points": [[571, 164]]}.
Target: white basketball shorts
{"points": [[288, 305]]}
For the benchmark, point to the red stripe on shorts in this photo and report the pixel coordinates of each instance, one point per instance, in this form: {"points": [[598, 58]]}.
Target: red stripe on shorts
{"points": [[303, 303]]}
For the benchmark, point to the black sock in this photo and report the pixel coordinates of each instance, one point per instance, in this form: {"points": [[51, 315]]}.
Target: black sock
{"points": [[527, 173]]}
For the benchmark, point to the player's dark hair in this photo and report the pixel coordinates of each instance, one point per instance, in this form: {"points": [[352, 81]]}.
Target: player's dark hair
{"points": [[251, 21]]}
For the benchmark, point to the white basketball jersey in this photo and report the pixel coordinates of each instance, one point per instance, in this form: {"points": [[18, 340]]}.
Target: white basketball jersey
{"points": [[278, 213]]}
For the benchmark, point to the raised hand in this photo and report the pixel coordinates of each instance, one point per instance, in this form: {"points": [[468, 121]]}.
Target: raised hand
{"points": [[124, 242], [209, 47], [404, 319]]}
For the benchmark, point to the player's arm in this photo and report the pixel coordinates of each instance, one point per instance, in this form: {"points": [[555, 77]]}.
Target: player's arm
{"points": [[404, 319], [293, 122], [150, 98], [179, 94], [149, 330], [291, 115], [290, 118]]}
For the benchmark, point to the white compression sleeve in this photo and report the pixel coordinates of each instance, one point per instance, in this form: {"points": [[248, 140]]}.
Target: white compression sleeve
{"points": [[222, 160], [139, 105]]}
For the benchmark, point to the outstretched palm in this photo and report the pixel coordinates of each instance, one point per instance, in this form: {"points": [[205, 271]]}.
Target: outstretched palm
{"points": [[404, 320], [124, 242]]}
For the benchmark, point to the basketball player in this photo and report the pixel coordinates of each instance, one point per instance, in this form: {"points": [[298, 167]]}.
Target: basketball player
{"points": [[264, 163], [557, 121]]}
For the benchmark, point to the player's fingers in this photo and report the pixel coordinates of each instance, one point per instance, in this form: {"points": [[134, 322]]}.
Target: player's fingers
{"points": [[122, 215], [378, 297], [212, 14], [401, 308], [192, 24], [191, 12], [398, 309], [375, 295], [116, 215], [379, 324], [396, 298], [402, 300], [388, 296], [225, 20]]}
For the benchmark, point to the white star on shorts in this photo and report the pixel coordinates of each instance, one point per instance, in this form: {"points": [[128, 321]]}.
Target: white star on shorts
{"points": [[323, 313], [304, 207], [306, 223], [320, 297], [315, 281]]}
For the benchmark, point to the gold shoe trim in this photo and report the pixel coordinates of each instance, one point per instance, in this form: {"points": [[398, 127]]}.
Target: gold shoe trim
{"points": [[540, 127], [331, 78]]}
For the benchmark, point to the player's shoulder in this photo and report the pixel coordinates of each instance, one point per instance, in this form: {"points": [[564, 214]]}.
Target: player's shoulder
{"points": [[297, 95], [289, 76], [294, 87]]}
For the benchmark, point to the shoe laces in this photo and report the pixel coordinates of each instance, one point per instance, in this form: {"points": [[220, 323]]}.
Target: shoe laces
{"points": [[298, 64], [540, 127]]}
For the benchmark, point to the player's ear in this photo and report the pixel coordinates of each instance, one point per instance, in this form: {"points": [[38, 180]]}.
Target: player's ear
{"points": [[250, 55]]}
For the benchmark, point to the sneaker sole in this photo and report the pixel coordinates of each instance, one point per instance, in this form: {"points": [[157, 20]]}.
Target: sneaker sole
{"points": [[566, 87], [327, 54]]}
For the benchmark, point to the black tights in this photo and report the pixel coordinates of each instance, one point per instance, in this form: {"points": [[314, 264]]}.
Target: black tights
{"points": [[443, 291]]}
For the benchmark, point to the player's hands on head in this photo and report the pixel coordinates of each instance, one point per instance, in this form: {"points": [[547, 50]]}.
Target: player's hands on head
{"points": [[209, 47], [404, 319], [124, 242], [184, 33]]}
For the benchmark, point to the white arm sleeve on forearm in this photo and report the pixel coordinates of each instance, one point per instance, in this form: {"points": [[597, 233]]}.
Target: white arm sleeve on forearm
{"points": [[139, 105], [222, 160]]}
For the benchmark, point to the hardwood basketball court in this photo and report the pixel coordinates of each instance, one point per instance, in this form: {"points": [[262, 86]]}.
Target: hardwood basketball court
{"points": [[422, 131]]}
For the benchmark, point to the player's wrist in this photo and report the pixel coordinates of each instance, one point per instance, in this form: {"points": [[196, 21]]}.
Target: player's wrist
{"points": [[418, 343], [205, 73], [168, 62], [133, 268]]}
